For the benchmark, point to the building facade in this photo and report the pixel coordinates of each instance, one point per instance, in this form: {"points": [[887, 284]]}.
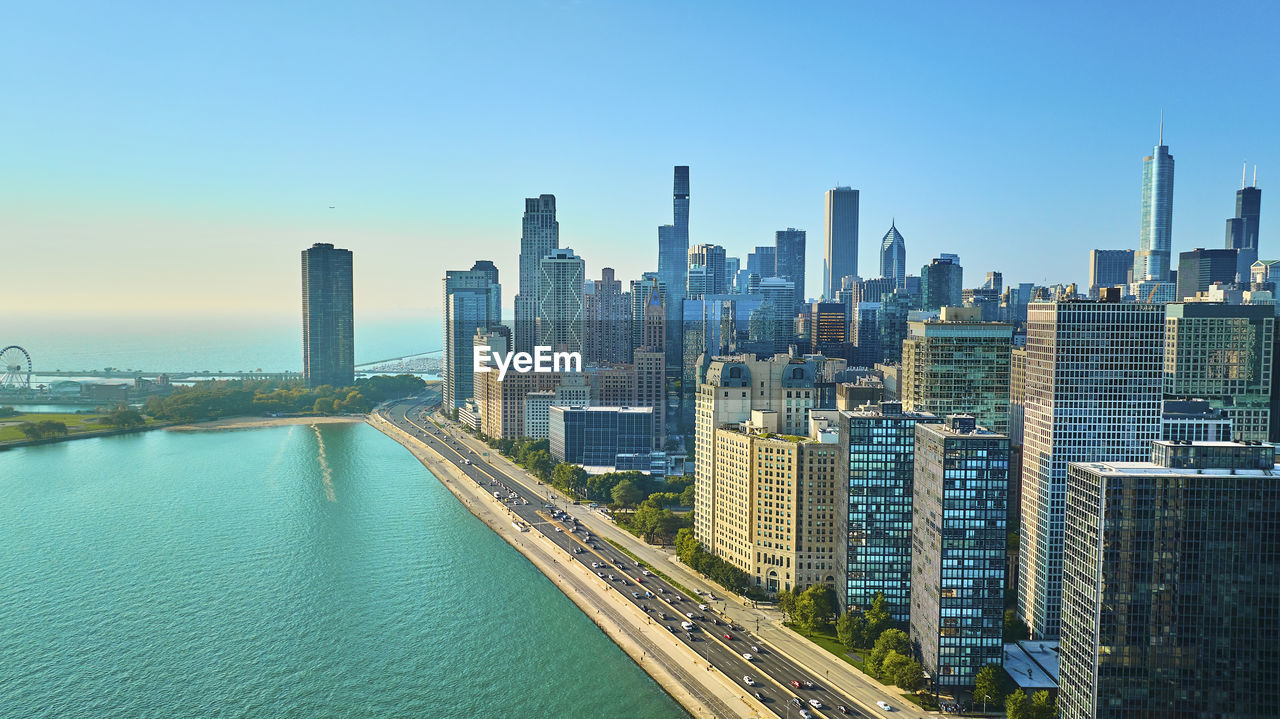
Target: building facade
{"points": [[879, 443], [561, 316], [472, 301], [942, 283], [953, 367], [1092, 392], [595, 436], [958, 548], [790, 244], [1169, 585], [328, 317], [1242, 230], [1109, 268], [608, 321], [893, 256], [1200, 268], [539, 236], [1151, 262], [840, 252]]}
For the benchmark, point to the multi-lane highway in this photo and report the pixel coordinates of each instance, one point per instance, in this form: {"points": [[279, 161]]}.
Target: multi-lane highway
{"points": [[730, 648]]}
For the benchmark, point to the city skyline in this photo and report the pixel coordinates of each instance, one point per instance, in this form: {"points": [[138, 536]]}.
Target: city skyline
{"points": [[156, 183]]}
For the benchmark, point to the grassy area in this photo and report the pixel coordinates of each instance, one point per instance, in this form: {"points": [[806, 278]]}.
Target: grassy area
{"points": [[687, 592], [827, 640], [76, 423]]}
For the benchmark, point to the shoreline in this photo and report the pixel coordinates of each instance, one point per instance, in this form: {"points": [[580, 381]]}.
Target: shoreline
{"points": [[259, 422], [622, 622]]}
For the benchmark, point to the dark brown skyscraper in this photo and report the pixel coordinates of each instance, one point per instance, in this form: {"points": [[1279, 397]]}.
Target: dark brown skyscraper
{"points": [[328, 328]]}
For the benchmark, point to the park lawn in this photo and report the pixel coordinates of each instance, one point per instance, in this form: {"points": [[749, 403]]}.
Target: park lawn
{"points": [[826, 639], [76, 423]]}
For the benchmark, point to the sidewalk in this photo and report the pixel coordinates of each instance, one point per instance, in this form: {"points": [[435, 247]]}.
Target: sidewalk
{"points": [[767, 623]]}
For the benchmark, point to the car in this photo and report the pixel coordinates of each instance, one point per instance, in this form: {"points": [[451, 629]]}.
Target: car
{"points": [[885, 706], [559, 529], [645, 572], [712, 597], [638, 579], [759, 696], [748, 681], [689, 615], [703, 607], [815, 703], [611, 578], [636, 594], [648, 595], [625, 583], [843, 709], [593, 505], [728, 637], [595, 565], [808, 684], [795, 683], [747, 656], [757, 649], [661, 590], [686, 625], [600, 574], [698, 592], [805, 715]]}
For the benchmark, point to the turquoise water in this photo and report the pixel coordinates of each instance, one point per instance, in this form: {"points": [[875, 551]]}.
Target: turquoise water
{"points": [[300, 571]]}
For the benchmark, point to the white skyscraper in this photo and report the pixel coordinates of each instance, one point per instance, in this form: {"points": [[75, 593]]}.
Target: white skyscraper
{"points": [[561, 317], [1092, 391]]}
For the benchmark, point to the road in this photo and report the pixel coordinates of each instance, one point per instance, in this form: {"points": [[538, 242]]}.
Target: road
{"points": [[711, 635]]}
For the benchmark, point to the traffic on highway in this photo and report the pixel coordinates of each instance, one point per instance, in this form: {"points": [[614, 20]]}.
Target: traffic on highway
{"points": [[774, 679]]}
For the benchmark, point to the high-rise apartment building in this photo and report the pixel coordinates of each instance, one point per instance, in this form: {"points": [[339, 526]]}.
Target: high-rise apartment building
{"points": [[1109, 268], [731, 389], [790, 263], [539, 236], [958, 543], [1092, 391], [942, 282], [1223, 354], [893, 256], [878, 442], [641, 292], [561, 316], [763, 261], [1242, 230], [958, 367], [608, 324], [713, 259], [472, 301], [673, 261], [840, 253], [778, 515], [779, 295], [1169, 596], [1200, 268], [328, 323], [1156, 240]]}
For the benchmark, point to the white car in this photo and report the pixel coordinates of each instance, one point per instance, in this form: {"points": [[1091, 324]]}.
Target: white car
{"points": [[703, 607], [749, 681], [689, 615], [885, 706], [646, 572], [815, 703], [748, 657], [595, 565]]}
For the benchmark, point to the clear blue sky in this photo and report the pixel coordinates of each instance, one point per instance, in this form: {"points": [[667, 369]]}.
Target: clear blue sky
{"points": [[175, 157]]}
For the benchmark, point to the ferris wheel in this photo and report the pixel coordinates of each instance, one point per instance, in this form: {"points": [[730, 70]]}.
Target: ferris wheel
{"points": [[15, 363]]}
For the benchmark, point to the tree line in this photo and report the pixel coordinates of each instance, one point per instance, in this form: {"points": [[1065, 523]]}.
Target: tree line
{"points": [[691, 552], [239, 397]]}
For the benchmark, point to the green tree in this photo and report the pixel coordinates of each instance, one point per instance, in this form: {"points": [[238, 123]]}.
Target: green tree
{"points": [[1042, 707], [820, 606], [851, 630], [804, 613], [124, 418], [908, 676], [626, 494], [1014, 628], [539, 462], [645, 520], [8, 412], [686, 496], [890, 640], [685, 544], [786, 600], [1017, 706], [988, 685], [878, 619]]}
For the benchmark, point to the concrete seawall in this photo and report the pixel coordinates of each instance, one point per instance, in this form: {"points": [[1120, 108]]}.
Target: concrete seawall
{"points": [[700, 688]]}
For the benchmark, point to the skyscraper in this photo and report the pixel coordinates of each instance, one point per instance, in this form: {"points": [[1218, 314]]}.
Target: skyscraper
{"points": [[840, 255], [1091, 393], [1169, 588], [608, 309], [1242, 230], [1156, 239], [763, 262], [732, 269], [328, 324], [472, 301], [540, 235], [673, 260], [561, 318], [893, 256], [1109, 268], [1200, 268], [958, 367], [790, 262], [958, 548], [712, 257], [641, 290], [879, 443], [942, 282]]}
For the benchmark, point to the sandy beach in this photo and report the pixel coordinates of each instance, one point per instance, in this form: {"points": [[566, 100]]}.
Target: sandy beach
{"points": [[256, 422]]}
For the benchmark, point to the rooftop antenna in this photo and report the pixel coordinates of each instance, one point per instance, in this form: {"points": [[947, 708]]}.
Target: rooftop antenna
{"points": [[1243, 169], [1255, 175], [1162, 126]]}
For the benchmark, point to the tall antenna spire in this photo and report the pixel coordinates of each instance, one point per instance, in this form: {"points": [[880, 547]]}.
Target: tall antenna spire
{"points": [[1243, 169], [1255, 175], [1162, 126]]}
